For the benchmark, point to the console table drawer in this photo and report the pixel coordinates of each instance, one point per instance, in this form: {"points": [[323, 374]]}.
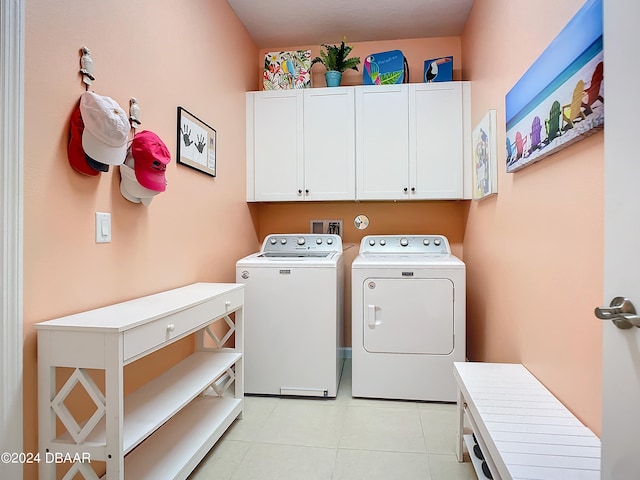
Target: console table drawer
{"points": [[154, 334]]}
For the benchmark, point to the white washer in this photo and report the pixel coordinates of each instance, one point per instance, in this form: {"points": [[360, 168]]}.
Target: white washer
{"points": [[408, 322], [293, 315]]}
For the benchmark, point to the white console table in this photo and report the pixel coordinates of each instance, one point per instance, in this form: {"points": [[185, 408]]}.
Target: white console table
{"points": [[164, 428]]}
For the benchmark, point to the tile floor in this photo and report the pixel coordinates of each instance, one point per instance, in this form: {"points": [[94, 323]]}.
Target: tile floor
{"points": [[342, 439]]}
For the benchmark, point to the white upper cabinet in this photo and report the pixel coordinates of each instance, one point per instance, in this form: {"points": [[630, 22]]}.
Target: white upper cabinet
{"points": [[436, 141], [300, 145], [382, 142], [274, 144], [329, 144], [411, 142], [390, 142]]}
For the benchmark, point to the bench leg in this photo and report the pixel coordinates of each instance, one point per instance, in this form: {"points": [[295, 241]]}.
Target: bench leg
{"points": [[460, 428]]}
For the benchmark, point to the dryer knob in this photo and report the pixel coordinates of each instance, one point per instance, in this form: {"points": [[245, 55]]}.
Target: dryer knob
{"points": [[426, 241], [372, 242], [383, 242], [318, 241], [329, 241], [404, 242], [283, 241], [301, 240], [273, 241], [436, 242]]}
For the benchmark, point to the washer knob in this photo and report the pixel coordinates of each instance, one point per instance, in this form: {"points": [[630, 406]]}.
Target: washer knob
{"points": [[426, 241], [372, 242], [436, 242], [301, 240], [283, 241], [318, 241], [383, 242], [273, 241], [404, 242], [329, 241]]}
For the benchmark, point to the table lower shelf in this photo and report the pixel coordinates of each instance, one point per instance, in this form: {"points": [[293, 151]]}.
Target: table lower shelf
{"points": [[176, 448]]}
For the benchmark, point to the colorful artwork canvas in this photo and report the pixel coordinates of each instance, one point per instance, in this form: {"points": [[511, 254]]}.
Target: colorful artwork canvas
{"points": [[559, 100], [485, 163], [287, 70], [438, 70]]}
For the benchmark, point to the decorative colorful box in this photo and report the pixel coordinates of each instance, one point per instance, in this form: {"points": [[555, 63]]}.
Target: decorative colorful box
{"points": [[287, 70]]}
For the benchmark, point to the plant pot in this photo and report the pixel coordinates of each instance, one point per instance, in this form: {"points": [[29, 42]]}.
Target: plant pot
{"points": [[333, 78]]}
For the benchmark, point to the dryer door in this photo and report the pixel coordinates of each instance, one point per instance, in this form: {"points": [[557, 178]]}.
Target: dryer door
{"points": [[413, 316]]}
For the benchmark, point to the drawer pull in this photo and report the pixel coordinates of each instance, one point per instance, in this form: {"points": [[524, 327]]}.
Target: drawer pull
{"points": [[171, 327], [227, 303]]}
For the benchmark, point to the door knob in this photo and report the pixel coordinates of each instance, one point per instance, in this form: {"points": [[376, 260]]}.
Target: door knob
{"points": [[621, 312]]}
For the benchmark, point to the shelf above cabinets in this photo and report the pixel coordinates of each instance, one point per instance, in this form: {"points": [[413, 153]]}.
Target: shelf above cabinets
{"points": [[392, 142]]}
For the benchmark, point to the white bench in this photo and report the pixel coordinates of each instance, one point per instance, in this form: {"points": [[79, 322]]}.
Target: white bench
{"points": [[523, 431]]}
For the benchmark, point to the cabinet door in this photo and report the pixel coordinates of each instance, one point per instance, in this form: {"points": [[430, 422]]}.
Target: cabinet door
{"points": [[277, 145], [329, 144], [382, 138], [436, 150]]}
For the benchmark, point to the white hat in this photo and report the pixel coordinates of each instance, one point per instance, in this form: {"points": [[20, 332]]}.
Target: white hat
{"points": [[131, 189], [106, 129]]}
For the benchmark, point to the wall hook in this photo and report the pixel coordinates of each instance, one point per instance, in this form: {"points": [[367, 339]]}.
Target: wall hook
{"points": [[86, 67], [134, 113]]}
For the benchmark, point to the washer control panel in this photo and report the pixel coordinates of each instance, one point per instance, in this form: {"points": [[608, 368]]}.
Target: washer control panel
{"points": [[306, 242], [402, 244]]}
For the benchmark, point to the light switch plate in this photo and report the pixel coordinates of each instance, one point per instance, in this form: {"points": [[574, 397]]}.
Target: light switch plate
{"points": [[103, 227]]}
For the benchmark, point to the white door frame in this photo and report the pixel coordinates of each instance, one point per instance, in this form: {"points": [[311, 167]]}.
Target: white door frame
{"points": [[12, 15]]}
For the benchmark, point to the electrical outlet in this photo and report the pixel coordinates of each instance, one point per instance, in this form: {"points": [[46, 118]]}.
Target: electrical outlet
{"points": [[326, 226]]}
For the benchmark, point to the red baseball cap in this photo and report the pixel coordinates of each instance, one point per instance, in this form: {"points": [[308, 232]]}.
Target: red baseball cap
{"points": [[150, 156], [75, 153]]}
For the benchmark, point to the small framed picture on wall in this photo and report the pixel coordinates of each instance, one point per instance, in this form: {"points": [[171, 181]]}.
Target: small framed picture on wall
{"points": [[196, 143]]}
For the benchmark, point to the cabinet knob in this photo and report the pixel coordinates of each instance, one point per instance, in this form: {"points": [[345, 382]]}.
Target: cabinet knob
{"points": [[227, 303], [405, 189], [299, 192], [171, 327], [306, 191], [413, 189]]}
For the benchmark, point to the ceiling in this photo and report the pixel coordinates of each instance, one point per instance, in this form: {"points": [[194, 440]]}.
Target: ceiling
{"points": [[285, 23]]}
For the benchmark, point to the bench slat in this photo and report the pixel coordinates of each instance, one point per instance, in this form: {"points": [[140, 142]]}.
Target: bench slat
{"points": [[526, 431]]}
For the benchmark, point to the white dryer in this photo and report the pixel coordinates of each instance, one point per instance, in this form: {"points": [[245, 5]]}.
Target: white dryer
{"points": [[408, 318], [293, 315]]}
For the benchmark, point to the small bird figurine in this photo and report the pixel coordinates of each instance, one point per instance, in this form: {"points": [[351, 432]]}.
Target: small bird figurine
{"points": [[86, 66], [432, 72], [372, 70], [134, 113]]}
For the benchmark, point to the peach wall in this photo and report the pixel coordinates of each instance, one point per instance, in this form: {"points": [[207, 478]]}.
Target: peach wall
{"points": [[534, 252], [165, 54], [416, 52]]}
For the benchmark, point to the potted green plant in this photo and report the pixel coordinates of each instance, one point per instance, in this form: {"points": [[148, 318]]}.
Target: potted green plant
{"points": [[334, 58]]}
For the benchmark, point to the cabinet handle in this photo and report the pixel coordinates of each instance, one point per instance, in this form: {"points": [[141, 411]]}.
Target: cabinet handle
{"points": [[171, 327]]}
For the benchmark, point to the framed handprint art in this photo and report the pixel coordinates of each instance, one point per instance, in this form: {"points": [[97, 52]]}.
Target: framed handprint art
{"points": [[196, 143]]}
